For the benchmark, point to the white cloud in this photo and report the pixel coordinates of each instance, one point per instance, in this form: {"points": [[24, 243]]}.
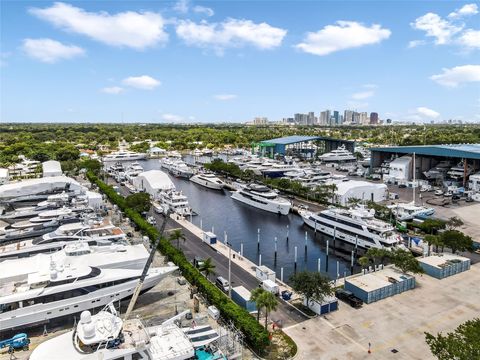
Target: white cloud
{"points": [[136, 30], [172, 117], [344, 35], [426, 112], [181, 6], [224, 97], [458, 75], [203, 10], [370, 86], [470, 39], [363, 95], [144, 82], [113, 90], [50, 51], [230, 33], [465, 10], [415, 43], [434, 26]]}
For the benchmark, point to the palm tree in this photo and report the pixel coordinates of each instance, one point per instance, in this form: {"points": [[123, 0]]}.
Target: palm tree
{"points": [[255, 296], [207, 267], [364, 261], [268, 301], [177, 234]]}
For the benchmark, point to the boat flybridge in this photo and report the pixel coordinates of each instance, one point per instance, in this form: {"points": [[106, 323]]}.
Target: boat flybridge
{"points": [[124, 155], [106, 336], [262, 197], [356, 226], [341, 154], [208, 180], [460, 171], [176, 202], [55, 291]]}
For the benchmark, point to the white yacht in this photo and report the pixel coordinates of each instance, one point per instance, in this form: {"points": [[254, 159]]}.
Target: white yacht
{"points": [[133, 170], [179, 169], [208, 180], [113, 256], [41, 296], [354, 226], [106, 336], [341, 154], [124, 155], [459, 171], [410, 211], [262, 197], [278, 169], [166, 163], [176, 202], [439, 171]]}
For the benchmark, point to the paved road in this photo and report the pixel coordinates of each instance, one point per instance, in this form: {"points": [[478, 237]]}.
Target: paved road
{"points": [[285, 315]]}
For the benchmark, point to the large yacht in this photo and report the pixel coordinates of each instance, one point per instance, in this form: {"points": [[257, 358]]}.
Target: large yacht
{"points": [[208, 180], [41, 296], [278, 169], [179, 169], [262, 197], [176, 202], [133, 170], [341, 154], [459, 171], [124, 155], [439, 171], [357, 226], [410, 211], [106, 336]]}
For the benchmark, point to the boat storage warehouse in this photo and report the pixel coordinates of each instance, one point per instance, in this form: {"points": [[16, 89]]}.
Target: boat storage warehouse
{"points": [[362, 190], [153, 181]]}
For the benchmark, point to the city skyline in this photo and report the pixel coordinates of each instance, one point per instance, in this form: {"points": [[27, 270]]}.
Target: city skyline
{"points": [[230, 62]]}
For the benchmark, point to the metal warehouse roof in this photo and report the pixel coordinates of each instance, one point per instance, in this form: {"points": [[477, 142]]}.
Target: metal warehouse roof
{"points": [[298, 138], [470, 151]]}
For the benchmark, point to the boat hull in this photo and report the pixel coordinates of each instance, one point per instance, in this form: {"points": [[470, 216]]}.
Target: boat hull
{"points": [[207, 184], [282, 209]]}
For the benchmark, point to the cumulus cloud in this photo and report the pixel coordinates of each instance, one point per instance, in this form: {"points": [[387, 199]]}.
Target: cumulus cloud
{"points": [[470, 39], [50, 51], [458, 75], [426, 112], [224, 97], [434, 26], [230, 33], [363, 95], [181, 6], [465, 10], [136, 30], [143, 82], [113, 90], [172, 117], [203, 10], [341, 36]]}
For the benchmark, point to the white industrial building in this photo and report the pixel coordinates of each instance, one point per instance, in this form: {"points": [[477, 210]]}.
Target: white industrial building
{"points": [[361, 190], [51, 168], [473, 182], [3, 176], [152, 182], [400, 170]]}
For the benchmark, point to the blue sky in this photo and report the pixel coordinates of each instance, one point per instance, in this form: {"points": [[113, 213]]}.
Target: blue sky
{"points": [[229, 61]]}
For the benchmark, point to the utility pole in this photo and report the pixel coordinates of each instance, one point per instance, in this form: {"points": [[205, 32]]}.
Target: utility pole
{"points": [[229, 270]]}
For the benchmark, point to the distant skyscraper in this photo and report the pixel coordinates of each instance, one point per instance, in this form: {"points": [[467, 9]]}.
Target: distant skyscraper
{"points": [[348, 116], [336, 117], [363, 118], [325, 117], [373, 118], [260, 121], [311, 118]]}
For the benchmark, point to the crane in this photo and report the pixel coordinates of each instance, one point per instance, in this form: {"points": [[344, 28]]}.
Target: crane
{"points": [[146, 267]]}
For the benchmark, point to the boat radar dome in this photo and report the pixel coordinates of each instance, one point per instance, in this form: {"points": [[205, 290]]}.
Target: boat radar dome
{"points": [[88, 326]]}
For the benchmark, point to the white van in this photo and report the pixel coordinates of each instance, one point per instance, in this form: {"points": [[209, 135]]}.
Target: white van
{"points": [[222, 284], [271, 286]]}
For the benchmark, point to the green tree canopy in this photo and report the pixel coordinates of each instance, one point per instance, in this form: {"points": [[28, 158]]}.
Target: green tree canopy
{"points": [[461, 344], [140, 202], [457, 241], [312, 285]]}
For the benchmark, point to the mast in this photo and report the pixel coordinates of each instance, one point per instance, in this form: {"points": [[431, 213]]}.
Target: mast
{"points": [[414, 185]]}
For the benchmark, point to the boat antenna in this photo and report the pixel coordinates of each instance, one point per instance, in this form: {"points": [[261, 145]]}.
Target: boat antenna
{"points": [[139, 286]]}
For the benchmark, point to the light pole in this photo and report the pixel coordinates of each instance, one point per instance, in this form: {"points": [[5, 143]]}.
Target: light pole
{"points": [[229, 272]]}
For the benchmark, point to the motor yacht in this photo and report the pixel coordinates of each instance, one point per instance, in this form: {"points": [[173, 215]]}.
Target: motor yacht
{"points": [[180, 169], [262, 197], [341, 154], [460, 171], [124, 155], [42, 296], [208, 180], [357, 226], [176, 202]]}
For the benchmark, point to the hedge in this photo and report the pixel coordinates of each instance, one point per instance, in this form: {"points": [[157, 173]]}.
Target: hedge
{"points": [[255, 335]]}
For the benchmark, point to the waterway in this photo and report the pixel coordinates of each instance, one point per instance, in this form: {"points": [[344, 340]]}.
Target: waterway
{"points": [[243, 224]]}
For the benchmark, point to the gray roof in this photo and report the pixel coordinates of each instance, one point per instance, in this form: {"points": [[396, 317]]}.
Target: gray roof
{"points": [[297, 139], [469, 151]]}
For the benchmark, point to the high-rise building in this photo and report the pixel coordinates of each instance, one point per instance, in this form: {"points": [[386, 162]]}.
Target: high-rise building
{"points": [[325, 117], [336, 118], [301, 119], [373, 118], [311, 118], [363, 118], [348, 116], [260, 121]]}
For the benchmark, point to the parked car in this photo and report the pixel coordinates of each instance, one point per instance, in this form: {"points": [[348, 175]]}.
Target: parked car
{"points": [[198, 261], [222, 284], [151, 220], [348, 297], [438, 192]]}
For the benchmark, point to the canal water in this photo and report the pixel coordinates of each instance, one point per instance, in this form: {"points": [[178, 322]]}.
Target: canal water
{"points": [[242, 224]]}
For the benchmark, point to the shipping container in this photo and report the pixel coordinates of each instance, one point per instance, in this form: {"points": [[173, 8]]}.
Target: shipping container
{"points": [[241, 296]]}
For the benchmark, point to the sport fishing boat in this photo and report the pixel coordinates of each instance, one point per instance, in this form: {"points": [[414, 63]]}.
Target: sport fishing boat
{"points": [[262, 197], [41, 296], [356, 226], [106, 336], [208, 180]]}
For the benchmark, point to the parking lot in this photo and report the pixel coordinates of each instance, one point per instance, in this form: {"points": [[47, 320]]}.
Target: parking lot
{"points": [[394, 326]]}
